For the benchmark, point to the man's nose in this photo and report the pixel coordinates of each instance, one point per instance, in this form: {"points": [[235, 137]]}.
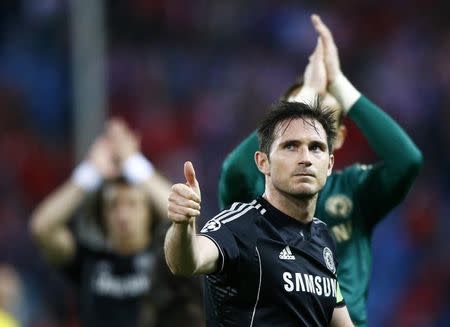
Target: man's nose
{"points": [[304, 157]]}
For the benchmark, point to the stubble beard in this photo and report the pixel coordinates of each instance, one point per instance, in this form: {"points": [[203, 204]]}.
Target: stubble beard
{"points": [[298, 195], [304, 196]]}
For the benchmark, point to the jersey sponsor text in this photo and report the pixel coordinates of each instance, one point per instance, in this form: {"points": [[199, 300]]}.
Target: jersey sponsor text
{"points": [[301, 282], [104, 282]]}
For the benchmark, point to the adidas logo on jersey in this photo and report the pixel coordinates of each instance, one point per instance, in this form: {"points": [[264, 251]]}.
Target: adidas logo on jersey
{"points": [[286, 254]]}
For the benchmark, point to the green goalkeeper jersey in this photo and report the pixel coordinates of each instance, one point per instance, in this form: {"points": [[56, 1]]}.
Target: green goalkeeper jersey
{"points": [[352, 201]]}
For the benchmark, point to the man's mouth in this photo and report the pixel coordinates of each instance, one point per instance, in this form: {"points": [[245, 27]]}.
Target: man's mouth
{"points": [[304, 174]]}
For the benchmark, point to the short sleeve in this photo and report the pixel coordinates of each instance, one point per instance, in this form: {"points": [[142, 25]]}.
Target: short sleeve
{"points": [[224, 239]]}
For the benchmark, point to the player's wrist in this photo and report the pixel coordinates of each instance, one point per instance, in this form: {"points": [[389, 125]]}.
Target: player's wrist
{"points": [[137, 169], [87, 177], [344, 92], [184, 226], [182, 222]]}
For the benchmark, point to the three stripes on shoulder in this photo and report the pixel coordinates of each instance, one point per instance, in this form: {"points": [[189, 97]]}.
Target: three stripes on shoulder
{"points": [[237, 210]]}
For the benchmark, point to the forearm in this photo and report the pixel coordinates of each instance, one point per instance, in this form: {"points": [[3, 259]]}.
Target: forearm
{"points": [[400, 155], [398, 152], [49, 221], [56, 210], [181, 249], [384, 185]]}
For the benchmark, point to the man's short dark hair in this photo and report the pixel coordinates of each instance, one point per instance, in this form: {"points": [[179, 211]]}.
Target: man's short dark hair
{"points": [[288, 111]]}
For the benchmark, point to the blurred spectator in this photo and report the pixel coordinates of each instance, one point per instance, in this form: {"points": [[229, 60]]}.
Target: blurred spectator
{"points": [[114, 259]]}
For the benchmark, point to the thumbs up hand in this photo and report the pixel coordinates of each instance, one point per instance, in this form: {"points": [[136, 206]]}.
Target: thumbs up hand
{"points": [[185, 199], [191, 180]]}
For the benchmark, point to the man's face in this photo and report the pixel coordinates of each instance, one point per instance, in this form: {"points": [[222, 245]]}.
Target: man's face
{"points": [[126, 212], [299, 160]]}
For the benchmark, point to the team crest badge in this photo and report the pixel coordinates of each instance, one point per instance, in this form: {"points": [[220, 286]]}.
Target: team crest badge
{"points": [[329, 261], [211, 226], [339, 206]]}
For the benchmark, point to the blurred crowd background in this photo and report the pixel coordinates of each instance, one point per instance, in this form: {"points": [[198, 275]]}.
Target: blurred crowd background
{"points": [[194, 77]]}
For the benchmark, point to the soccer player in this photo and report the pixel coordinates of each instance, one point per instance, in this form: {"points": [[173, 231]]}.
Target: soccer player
{"points": [[355, 199], [268, 262], [117, 280]]}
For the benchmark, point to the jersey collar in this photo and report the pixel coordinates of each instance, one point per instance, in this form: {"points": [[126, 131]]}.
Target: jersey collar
{"points": [[289, 227]]}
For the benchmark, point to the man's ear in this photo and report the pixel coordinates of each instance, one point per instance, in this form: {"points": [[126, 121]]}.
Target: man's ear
{"points": [[262, 162], [340, 137], [330, 164]]}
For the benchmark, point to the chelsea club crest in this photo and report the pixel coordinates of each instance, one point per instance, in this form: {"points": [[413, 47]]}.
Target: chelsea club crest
{"points": [[328, 258]]}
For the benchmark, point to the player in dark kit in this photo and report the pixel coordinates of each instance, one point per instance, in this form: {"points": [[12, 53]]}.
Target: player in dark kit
{"points": [[354, 199], [121, 278], [268, 262]]}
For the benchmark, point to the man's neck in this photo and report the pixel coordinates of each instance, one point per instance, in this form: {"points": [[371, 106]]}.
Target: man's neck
{"points": [[301, 209]]}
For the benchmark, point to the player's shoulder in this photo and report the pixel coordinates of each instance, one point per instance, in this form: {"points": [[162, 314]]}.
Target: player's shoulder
{"points": [[353, 169], [319, 223], [238, 216], [350, 174], [319, 226]]}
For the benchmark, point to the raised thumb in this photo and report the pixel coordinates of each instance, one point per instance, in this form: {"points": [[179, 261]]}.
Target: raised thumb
{"points": [[189, 174]]}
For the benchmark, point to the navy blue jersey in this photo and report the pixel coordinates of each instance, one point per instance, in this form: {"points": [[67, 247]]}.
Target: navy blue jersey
{"points": [[273, 271], [111, 287], [132, 290]]}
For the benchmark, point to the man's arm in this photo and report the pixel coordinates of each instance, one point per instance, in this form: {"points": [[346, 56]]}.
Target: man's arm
{"points": [[341, 318], [49, 220], [387, 183], [186, 252]]}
